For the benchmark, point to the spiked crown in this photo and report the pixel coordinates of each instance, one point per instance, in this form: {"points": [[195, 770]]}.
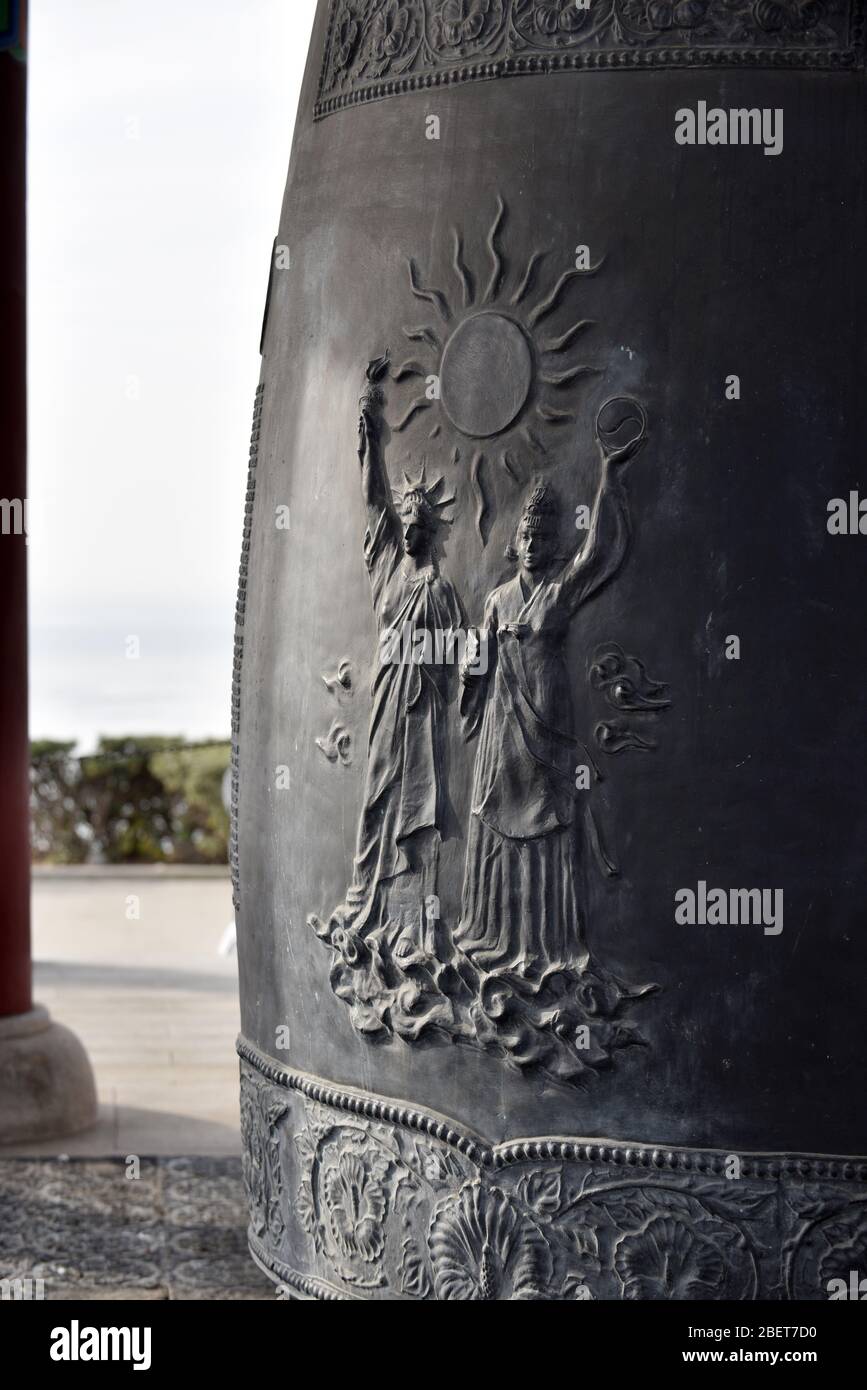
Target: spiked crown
{"points": [[422, 503]]}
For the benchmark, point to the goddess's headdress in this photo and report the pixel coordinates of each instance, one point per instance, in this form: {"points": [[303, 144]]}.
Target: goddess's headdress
{"points": [[421, 503], [541, 514], [542, 509]]}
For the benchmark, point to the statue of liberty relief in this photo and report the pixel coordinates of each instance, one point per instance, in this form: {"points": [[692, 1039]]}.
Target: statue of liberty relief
{"points": [[385, 963], [539, 996]]}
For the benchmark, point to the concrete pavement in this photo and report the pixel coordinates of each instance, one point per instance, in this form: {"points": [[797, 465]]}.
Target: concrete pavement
{"points": [[128, 959]]}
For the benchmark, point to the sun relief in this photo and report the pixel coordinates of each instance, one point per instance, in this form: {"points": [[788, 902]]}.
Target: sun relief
{"points": [[486, 375], [490, 360]]}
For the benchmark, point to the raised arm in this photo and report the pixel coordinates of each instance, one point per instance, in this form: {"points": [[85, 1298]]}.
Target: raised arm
{"points": [[374, 478], [604, 550]]}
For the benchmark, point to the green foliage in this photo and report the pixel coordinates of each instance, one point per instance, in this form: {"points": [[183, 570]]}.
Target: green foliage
{"points": [[194, 777], [55, 820], [135, 800]]}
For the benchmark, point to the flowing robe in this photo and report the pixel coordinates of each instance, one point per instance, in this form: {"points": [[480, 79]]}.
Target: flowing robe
{"points": [[404, 806], [521, 912], [520, 908]]}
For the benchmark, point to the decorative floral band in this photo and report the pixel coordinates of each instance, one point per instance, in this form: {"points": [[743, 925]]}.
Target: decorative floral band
{"points": [[376, 48], [356, 1196]]}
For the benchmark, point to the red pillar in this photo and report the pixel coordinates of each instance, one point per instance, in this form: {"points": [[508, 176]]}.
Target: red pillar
{"points": [[46, 1082], [15, 974]]}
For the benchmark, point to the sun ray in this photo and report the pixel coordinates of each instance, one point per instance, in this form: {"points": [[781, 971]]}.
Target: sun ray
{"points": [[509, 465], [423, 334], [410, 368], [529, 277], [561, 344], [564, 378], [496, 257], [554, 416], [554, 299], [422, 403], [461, 269], [435, 297], [479, 490], [486, 274]]}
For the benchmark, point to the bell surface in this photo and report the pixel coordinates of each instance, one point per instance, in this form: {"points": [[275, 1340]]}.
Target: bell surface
{"points": [[549, 723]]}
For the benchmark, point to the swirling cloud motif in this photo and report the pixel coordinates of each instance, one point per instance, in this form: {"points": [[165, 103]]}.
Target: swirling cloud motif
{"points": [[625, 681], [336, 745], [339, 682], [617, 737], [500, 361]]}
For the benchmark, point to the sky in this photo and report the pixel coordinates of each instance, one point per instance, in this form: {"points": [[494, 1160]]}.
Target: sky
{"points": [[159, 139]]}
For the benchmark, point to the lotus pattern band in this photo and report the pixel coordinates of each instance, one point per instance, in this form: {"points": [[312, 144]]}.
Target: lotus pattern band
{"points": [[378, 1199]]}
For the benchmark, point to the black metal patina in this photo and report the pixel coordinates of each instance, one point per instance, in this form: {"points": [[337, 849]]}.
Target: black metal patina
{"points": [[549, 723]]}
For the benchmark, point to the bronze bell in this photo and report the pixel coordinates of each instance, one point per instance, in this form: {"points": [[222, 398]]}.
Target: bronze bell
{"points": [[549, 702]]}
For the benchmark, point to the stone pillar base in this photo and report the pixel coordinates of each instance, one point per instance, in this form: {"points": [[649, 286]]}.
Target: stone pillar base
{"points": [[46, 1082]]}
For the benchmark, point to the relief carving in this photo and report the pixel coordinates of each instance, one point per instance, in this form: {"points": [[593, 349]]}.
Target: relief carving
{"points": [[378, 47], [522, 922], [263, 1111], [336, 745], [625, 686], [514, 974], [829, 1237], [625, 682], [385, 965], [499, 371], [339, 682], [391, 1204]]}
